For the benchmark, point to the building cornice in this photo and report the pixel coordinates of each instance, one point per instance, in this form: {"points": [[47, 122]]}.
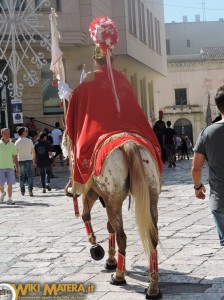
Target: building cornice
{"points": [[194, 63]]}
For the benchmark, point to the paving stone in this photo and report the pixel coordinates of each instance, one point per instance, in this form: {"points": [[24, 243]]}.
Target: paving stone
{"points": [[40, 256]]}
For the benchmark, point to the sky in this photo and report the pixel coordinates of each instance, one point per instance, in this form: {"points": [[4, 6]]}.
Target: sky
{"points": [[209, 10]]}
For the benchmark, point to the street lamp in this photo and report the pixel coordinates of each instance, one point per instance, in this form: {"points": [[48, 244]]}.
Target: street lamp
{"points": [[182, 106]]}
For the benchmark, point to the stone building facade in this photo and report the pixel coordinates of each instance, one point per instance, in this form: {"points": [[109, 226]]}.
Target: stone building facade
{"points": [[195, 71]]}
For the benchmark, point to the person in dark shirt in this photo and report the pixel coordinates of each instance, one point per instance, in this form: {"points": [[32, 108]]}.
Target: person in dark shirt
{"points": [[169, 144], [184, 148], [32, 128], [49, 137], [209, 148], [159, 129], [43, 159]]}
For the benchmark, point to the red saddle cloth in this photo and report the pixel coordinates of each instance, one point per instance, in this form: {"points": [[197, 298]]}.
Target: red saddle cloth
{"points": [[92, 117]]}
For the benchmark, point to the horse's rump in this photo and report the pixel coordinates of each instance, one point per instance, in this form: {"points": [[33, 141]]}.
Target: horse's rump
{"points": [[112, 167], [132, 168]]}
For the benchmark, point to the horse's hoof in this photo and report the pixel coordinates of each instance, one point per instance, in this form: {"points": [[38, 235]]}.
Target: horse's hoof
{"points": [[97, 252], [117, 282], [110, 266], [158, 296]]}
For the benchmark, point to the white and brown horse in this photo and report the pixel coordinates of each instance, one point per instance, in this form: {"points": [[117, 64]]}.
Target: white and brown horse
{"points": [[129, 169]]}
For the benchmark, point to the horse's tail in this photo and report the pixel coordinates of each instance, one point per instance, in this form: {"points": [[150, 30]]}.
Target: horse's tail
{"points": [[140, 190]]}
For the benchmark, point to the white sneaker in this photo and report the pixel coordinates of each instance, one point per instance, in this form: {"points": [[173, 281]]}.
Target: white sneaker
{"points": [[2, 197], [10, 202]]}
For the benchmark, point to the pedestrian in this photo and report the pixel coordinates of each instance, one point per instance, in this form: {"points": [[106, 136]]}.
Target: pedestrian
{"points": [[169, 145], [49, 136], [56, 134], [189, 146], [26, 158], [50, 140], [32, 128], [184, 148], [43, 160], [9, 166], [159, 129], [178, 146], [209, 147]]}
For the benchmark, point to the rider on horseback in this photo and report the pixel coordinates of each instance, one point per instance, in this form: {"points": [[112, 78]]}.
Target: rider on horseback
{"points": [[104, 116]]}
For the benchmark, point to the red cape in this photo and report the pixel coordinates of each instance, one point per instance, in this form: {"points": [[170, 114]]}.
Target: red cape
{"points": [[92, 117]]}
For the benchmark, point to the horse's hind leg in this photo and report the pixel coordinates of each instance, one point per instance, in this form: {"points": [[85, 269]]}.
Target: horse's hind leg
{"points": [[153, 291], [88, 201], [111, 262], [115, 219]]}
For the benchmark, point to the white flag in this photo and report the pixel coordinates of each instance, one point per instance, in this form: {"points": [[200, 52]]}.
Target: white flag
{"points": [[56, 54]]}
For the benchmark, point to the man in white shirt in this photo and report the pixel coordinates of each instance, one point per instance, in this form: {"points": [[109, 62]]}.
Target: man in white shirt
{"points": [[178, 146], [26, 157], [56, 134]]}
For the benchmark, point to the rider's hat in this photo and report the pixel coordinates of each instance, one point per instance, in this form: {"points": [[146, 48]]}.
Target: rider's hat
{"points": [[105, 36]]}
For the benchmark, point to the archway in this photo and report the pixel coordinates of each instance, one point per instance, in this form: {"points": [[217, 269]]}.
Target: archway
{"points": [[184, 126]]}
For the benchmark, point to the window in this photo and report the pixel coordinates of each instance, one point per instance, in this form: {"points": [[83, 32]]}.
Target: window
{"points": [[42, 7], [16, 4], [134, 84], [188, 43], [143, 96], [168, 47], [151, 103], [140, 19], [158, 37], [149, 29], [143, 23], [132, 17], [156, 34], [181, 96], [51, 101], [152, 31]]}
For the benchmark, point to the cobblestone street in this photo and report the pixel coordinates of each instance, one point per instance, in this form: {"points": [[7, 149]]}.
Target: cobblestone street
{"points": [[42, 242]]}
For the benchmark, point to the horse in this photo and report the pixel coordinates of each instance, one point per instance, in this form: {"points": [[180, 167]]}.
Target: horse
{"points": [[129, 169]]}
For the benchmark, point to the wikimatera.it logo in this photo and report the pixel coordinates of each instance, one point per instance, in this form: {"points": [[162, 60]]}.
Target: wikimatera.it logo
{"points": [[28, 291]]}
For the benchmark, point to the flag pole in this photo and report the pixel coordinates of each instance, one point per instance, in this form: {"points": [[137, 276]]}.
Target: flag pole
{"points": [[57, 66]]}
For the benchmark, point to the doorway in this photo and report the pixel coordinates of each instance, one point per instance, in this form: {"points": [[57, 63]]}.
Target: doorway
{"points": [[184, 126]]}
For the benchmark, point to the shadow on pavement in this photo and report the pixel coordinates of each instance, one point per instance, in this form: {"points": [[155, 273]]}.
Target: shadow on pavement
{"points": [[181, 288]]}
